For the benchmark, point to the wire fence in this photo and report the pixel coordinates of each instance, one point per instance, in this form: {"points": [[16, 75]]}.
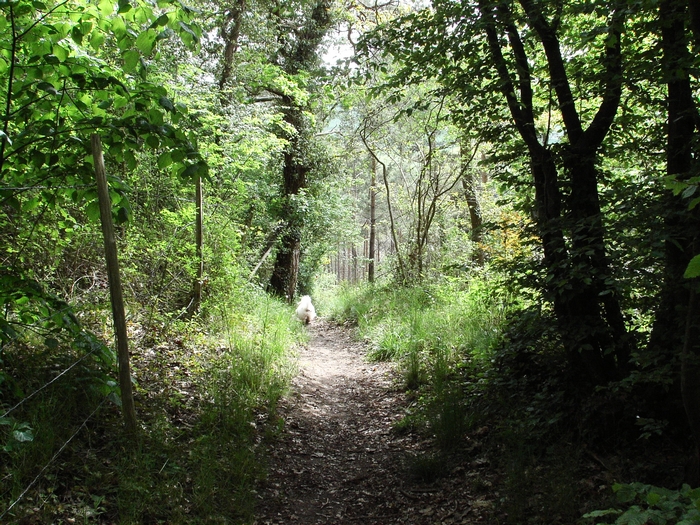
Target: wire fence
{"points": [[48, 384], [53, 458], [65, 444]]}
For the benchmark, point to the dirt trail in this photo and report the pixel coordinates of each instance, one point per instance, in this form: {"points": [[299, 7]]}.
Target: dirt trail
{"points": [[338, 460]]}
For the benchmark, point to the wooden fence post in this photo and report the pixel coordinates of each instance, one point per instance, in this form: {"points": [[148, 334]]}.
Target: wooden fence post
{"points": [[115, 287]]}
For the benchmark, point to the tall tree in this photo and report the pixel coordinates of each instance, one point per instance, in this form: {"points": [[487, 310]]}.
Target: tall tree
{"points": [[230, 33], [475, 53], [298, 53], [372, 219], [588, 311], [469, 186]]}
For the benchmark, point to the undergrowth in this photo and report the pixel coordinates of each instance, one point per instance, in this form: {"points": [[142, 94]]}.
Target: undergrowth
{"points": [[205, 400], [439, 334]]}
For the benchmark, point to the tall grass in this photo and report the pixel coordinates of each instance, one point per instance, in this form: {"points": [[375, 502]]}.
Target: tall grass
{"points": [[434, 332], [448, 339], [206, 395]]}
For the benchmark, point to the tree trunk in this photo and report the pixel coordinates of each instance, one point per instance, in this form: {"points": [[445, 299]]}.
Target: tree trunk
{"points": [[469, 187], [303, 55], [588, 313], [672, 329], [115, 289], [690, 379], [392, 226], [372, 219], [230, 32], [286, 270]]}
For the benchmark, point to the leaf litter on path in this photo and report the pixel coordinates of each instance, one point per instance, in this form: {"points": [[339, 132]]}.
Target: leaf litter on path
{"points": [[338, 459]]}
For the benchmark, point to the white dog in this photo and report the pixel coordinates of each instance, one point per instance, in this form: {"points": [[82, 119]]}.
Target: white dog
{"points": [[306, 311]]}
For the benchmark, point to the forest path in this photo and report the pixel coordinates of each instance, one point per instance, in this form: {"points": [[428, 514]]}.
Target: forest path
{"points": [[338, 461]]}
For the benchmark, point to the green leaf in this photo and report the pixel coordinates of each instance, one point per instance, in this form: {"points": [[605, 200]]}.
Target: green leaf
{"points": [[689, 191], [93, 211], [130, 160], [693, 269], [23, 436], [145, 41], [123, 214], [38, 158], [96, 40], [625, 493], [188, 31], [48, 87], [155, 116], [671, 183], [131, 60], [166, 103], [60, 53], [118, 27], [634, 516], [22, 300], [153, 141], [106, 7], [77, 35], [165, 160], [190, 171], [30, 204], [161, 21], [653, 498]]}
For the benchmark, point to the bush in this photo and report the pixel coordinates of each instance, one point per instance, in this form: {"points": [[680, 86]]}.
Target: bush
{"points": [[641, 504]]}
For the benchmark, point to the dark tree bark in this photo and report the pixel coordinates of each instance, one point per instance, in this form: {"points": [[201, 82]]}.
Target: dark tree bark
{"points": [[230, 32], [283, 282], [673, 330], [286, 270], [588, 311], [588, 251]]}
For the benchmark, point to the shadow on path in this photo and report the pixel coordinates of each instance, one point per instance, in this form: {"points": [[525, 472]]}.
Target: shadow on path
{"points": [[338, 460]]}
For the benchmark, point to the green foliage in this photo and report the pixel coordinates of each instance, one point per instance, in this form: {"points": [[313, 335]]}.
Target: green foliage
{"points": [[206, 402], [439, 334], [554, 472], [229, 387], [49, 393], [473, 357], [68, 70], [27, 303], [688, 189], [642, 504]]}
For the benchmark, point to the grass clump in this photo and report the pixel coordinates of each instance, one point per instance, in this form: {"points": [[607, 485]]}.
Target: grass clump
{"points": [[435, 332]]}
